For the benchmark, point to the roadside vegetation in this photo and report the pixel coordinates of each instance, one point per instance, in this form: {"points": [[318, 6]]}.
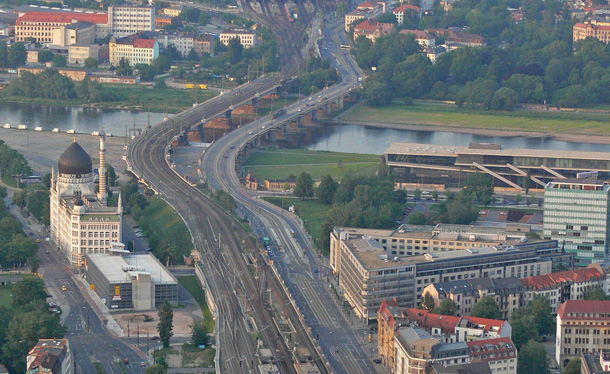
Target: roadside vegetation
{"points": [[12, 163], [25, 321], [167, 233]]}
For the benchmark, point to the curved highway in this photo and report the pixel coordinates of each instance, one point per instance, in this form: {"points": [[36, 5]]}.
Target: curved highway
{"points": [[297, 262]]}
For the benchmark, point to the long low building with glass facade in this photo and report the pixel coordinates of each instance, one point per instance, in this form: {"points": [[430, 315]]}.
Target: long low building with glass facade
{"points": [[130, 281], [450, 166]]}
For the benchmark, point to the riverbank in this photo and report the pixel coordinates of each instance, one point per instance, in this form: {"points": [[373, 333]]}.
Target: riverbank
{"points": [[577, 127], [129, 97]]}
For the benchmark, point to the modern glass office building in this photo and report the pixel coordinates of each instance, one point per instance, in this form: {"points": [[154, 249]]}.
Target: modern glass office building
{"points": [[576, 215]]}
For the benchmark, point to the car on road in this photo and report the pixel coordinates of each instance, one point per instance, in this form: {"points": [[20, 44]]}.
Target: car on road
{"points": [[154, 338], [316, 271], [46, 251], [377, 361], [64, 288], [143, 364], [134, 226], [250, 133], [263, 126], [37, 240], [126, 361], [226, 156], [298, 110], [271, 254]]}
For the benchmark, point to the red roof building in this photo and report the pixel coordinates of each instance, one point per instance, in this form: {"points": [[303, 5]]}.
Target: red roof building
{"points": [[144, 43], [565, 285], [583, 326], [373, 29], [40, 25], [595, 28]]}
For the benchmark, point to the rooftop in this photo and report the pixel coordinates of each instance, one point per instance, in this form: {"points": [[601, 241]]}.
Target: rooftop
{"points": [[585, 310], [455, 151], [119, 269], [237, 30], [470, 286], [62, 17], [575, 276]]}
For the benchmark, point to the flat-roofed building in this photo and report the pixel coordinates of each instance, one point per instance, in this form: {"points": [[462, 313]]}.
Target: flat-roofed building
{"points": [[247, 38], [352, 17], [450, 166], [583, 326], [367, 274], [78, 53], [125, 20], [577, 214], [74, 33], [130, 281]]}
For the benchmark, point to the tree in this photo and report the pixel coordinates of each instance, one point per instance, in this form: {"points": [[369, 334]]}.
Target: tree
{"points": [[28, 290], [304, 186], [428, 301], [596, 293], [236, 51], [447, 308], [166, 323], [573, 367], [532, 359], [539, 309], [90, 63], [200, 334], [481, 186], [417, 194], [45, 55], [418, 218], [156, 369], [486, 307], [326, 190], [504, 99], [523, 330], [16, 55], [435, 195], [160, 83], [60, 61], [377, 93]]}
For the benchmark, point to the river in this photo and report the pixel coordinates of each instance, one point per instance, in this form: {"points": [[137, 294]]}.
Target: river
{"points": [[374, 140], [83, 120], [337, 138]]}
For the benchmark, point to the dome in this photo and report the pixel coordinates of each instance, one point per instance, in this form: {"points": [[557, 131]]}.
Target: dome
{"points": [[75, 161]]}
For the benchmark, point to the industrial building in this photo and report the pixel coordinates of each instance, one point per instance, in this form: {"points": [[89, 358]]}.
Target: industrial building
{"points": [[450, 166], [130, 281]]}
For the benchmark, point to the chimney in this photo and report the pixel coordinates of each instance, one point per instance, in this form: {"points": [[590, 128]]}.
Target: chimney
{"points": [[102, 195]]}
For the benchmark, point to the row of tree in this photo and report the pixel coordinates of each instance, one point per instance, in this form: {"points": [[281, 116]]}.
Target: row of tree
{"points": [[28, 320]]}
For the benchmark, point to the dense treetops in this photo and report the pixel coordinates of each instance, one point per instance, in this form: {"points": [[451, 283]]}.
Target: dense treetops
{"points": [[533, 61]]}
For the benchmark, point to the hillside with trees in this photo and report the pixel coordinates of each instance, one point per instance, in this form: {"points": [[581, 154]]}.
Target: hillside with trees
{"points": [[533, 61]]}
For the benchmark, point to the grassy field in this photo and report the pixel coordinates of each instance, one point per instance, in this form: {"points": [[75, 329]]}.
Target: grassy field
{"points": [[192, 286], [132, 97], [441, 114], [281, 163], [193, 356], [6, 297], [313, 213], [164, 227]]}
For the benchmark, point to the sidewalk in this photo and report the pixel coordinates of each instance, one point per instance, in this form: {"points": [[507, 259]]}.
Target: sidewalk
{"points": [[98, 307]]}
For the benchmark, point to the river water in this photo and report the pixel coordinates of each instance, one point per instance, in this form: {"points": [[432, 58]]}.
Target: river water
{"points": [[83, 120], [374, 140], [338, 138]]}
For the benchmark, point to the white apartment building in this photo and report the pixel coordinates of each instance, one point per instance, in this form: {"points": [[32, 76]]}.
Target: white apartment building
{"points": [[576, 214], [74, 33], [133, 50], [125, 20], [81, 220], [246, 37]]}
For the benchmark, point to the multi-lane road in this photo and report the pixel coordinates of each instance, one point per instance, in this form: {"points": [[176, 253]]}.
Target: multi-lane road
{"points": [[89, 339]]}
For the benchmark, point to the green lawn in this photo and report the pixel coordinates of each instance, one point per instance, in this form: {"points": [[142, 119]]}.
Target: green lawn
{"points": [[313, 213], [193, 356], [281, 163], [192, 286], [441, 114], [6, 297]]}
